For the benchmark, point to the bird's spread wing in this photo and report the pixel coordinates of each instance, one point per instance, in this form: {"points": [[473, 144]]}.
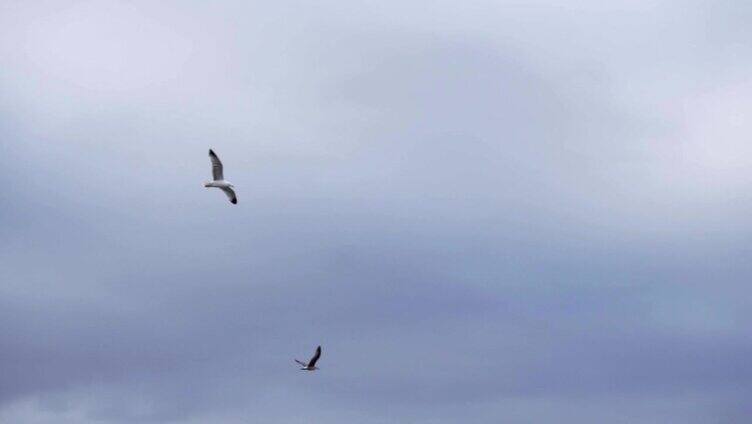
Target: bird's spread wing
{"points": [[230, 194], [315, 358], [216, 166], [301, 363]]}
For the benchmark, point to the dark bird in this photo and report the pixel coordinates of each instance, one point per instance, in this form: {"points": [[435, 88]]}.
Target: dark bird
{"points": [[311, 365]]}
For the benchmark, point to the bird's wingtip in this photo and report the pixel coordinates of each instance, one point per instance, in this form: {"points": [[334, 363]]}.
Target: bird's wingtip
{"points": [[234, 201]]}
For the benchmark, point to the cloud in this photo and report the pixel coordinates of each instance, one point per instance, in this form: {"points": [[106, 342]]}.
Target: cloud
{"points": [[508, 210]]}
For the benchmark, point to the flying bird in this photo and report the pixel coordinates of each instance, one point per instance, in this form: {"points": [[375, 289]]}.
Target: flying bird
{"points": [[311, 365], [219, 179]]}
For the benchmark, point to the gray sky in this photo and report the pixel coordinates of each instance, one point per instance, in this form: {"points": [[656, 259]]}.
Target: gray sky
{"points": [[487, 211]]}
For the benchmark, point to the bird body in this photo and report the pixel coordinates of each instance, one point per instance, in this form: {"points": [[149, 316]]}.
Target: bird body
{"points": [[219, 184], [219, 179]]}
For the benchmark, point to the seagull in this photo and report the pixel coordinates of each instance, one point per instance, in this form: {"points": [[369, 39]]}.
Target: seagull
{"points": [[219, 179], [311, 365]]}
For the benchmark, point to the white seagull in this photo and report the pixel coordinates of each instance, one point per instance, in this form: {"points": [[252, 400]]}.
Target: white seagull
{"points": [[219, 179], [311, 365]]}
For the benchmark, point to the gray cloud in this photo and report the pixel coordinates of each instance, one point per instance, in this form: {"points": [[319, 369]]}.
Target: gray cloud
{"points": [[496, 211]]}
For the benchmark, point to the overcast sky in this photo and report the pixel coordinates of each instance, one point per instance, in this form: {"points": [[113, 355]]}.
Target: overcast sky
{"points": [[486, 211]]}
